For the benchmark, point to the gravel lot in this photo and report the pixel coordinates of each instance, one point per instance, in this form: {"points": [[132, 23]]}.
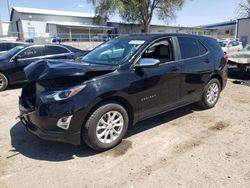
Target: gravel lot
{"points": [[188, 147]]}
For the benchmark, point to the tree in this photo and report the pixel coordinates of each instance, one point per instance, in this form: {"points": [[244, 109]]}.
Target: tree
{"points": [[138, 11], [243, 9]]}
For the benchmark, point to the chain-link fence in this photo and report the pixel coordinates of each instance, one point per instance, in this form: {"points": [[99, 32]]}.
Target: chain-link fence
{"points": [[85, 41]]}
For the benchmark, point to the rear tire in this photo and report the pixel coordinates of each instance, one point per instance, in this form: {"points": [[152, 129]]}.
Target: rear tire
{"points": [[105, 127], [3, 82], [210, 94]]}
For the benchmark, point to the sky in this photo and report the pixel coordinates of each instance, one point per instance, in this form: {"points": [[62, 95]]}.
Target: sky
{"points": [[193, 13]]}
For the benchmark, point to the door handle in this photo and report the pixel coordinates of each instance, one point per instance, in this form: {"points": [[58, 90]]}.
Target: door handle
{"points": [[174, 68], [207, 61]]}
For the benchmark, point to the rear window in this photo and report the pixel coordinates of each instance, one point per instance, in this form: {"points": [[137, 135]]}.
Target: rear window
{"points": [[2, 47], [203, 49], [189, 47], [7, 46], [53, 50], [235, 43], [213, 45]]}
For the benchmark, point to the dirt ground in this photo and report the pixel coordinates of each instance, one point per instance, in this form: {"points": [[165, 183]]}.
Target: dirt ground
{"points": [[188, 147]]}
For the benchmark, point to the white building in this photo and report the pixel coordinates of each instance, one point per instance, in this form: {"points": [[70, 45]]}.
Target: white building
{"points": [[31, 22], [4, 29], [224, 29], [243, 30]]}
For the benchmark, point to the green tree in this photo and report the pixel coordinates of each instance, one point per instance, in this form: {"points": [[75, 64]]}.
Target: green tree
{"points": [[243, 9], [138, 11]]}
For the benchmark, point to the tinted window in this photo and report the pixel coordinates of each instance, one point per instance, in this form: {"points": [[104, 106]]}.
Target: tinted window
{"points": [[51, 50], [2, 47], [32, 52], [223, 43], [189, 47], [213, 46], [159, 50], [7, 46], [235, 43], [230, 44], [203, 49]]}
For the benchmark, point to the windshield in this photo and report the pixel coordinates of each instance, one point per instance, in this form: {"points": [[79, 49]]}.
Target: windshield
{"points": [[113, 52], [12, 52], [223, 43]]}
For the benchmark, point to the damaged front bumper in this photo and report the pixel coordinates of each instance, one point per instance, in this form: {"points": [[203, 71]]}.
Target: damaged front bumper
{"points": [[46, 127]]}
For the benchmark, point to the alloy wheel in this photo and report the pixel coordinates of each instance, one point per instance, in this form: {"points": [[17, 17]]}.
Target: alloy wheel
{"points": [[212, 93], [109, 127]]}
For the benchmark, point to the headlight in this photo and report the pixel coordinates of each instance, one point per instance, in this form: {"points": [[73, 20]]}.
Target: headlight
{"points": [[65, 94]]}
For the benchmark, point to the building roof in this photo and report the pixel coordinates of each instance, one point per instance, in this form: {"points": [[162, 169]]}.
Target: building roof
{"points": [[73, 24], [51, 12], [231, 22]]}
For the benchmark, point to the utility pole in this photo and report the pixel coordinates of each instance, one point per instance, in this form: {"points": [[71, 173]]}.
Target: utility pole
{"points": [[11, 24], [8, 4]]}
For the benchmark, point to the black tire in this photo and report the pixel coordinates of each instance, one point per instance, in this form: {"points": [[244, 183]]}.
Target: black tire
{"points": [[3, 82], [204, 103], [89, 132]]}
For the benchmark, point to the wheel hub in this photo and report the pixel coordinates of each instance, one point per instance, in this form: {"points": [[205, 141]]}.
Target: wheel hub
{"points": [[109, 127], [212, 93]]}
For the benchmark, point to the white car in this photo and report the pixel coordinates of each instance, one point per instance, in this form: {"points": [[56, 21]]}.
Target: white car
{"points": [[230, 45]]}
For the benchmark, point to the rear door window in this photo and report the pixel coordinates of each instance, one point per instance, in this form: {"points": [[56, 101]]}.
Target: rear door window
{"points": [[55, 50], [189, 47]]}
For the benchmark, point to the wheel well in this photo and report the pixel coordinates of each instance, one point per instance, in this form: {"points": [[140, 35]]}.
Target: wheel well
{"points": [[5, 76], [217, 76], [116, 99]]}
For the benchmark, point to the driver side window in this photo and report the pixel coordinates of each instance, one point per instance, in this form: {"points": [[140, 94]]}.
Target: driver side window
{"points": [[160, 50]]}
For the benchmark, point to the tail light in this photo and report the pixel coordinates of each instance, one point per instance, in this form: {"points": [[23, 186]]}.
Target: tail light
{"points": [[226, 58]]}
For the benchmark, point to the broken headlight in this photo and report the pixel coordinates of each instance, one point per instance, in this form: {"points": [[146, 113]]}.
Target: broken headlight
{"points": [[65, 94]]}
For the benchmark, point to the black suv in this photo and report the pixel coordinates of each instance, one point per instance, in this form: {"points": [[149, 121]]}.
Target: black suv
{"points": [[13, 62], [119, 83]]}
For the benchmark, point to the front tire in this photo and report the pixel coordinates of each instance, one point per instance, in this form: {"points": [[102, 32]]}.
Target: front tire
{"points": [[211, 94], [106, 127], [3, 82]]}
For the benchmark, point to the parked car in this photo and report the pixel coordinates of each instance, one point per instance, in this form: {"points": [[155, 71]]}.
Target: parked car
{"points": [[8, 45], [13, 62], [96, 100], [56, 39], [240, 60], [29, 40], [230, 45]]}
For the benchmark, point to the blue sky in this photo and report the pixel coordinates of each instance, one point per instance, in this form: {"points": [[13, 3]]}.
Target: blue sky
{"points": [[194, 13]]}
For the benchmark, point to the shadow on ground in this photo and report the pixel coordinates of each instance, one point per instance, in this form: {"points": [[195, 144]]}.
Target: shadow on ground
{"points": [[31, 146]]}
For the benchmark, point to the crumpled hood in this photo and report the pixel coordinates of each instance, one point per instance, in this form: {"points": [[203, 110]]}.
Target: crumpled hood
{"points": [[48, 69], [242, 57], [241, 54]]}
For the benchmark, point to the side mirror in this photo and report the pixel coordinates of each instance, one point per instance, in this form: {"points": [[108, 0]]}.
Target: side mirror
{"points": [[147, 63], [17, 58]]}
